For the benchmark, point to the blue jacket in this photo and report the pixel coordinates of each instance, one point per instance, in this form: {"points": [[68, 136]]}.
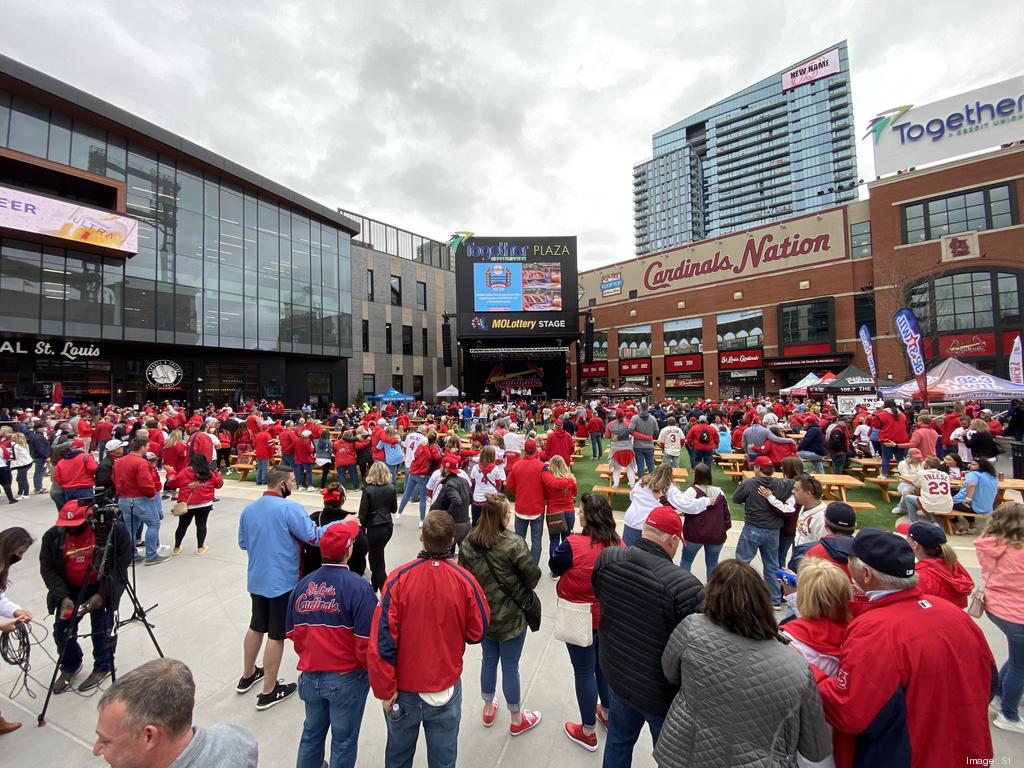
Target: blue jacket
{"points": [[985, 488], [393, 453], [814, 440]]}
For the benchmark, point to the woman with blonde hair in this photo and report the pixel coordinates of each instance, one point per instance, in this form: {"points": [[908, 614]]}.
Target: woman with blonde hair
{"points": [[645, 496], [21, 460], [981, 442], [376, 507], [939, 571], [560, 502], [1000, 551]]}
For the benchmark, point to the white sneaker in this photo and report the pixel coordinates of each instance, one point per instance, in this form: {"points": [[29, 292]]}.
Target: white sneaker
{"points": [[396, 518], [1015, 726], [420, 524]]}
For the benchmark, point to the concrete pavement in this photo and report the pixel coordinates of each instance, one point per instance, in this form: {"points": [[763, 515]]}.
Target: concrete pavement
{"points": [[201, 617]]}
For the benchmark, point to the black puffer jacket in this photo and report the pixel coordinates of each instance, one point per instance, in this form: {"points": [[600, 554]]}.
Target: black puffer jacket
{"points": [[377, 505], [643, 596], [454, 497]]}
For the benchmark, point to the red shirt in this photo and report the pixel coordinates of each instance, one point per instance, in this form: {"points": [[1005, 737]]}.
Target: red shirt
{"points": [[262, 446], [77, 556], [75, 471], [287, 439], [133, 478], [103, 432], [84, 428], [304, 450], [425, 454]]}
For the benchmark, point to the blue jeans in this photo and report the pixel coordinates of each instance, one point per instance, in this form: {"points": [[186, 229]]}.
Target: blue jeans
{"points": [[536, 527], [591, 686], [557, 538], [440, 725], [711, 553], [817, 460], [888, 454], [101, 622], [352, 473], [139, 511], [78, 493], [1011, 675], [303, 475], [672, 461], [508, 652], [766, 541], [785, 544], [703, 456], [412, 483], [288, 460], [595, 445], [630, 536], [393, 469], [838, 463], [644, 457], [261, 471], [333, 701], [624, 725], [38, 475]]}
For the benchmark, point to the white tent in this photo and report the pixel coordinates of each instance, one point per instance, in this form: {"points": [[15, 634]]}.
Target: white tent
{"points": [[450, 391], [801, 385]]}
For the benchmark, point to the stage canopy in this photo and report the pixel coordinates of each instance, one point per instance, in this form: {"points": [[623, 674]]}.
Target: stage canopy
{"points": [[800, 388], [955, 380], [850, 380], [450, 391], [391, 395]]}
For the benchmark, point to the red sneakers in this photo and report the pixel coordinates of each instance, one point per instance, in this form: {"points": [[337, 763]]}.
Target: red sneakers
{"points": [[576, 733], [602, 715], [530, 719], [489, 719]]}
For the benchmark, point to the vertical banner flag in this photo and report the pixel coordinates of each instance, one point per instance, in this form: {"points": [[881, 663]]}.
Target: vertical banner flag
{"points": [[1016, 364], [865, 341], [910, 334]]}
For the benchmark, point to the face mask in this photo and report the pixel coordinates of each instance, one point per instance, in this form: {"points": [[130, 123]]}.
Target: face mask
{"points": [[78, 529], [285, 491]]}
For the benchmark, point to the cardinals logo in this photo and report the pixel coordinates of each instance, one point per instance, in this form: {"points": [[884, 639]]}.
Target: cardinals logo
{"points": [[530, 378]]}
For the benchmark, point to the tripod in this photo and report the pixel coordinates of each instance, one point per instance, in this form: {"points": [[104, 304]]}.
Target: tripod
{"points": [[109, 576], [139, 614]]}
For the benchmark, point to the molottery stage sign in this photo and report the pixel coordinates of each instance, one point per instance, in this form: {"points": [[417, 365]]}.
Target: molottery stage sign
{"points": [[37, 215], [802, 242], [908, 136]]}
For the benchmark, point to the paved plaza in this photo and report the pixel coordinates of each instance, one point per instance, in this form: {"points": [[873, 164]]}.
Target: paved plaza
{"points": [[201, 617]]}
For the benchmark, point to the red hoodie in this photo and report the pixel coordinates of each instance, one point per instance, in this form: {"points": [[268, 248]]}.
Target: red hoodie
{"points": [[559, 443], [934, 578], [559, 493], [526, 481], [344, 453], [76, 470]]}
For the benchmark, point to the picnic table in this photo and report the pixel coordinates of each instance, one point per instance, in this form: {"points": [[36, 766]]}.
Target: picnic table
{"points": [[678, 473], [833, 486], [868, 467], [733, 461], [1009, 484]]}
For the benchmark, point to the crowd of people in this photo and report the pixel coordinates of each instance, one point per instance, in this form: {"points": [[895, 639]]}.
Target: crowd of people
{"points": [[851, 647]]}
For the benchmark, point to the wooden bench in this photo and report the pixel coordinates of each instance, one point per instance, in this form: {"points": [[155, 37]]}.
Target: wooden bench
{"points": [[735, 474], [947, 518], [609, 491], [885, 484], [861, 505], [243, 470]]}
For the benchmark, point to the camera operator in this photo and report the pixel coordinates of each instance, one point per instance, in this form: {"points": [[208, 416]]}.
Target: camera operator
{"points": [[139, 497], [69, 559], [112, 451]]}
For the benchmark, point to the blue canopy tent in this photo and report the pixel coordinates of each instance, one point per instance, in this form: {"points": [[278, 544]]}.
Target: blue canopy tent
{"points": [[391, 395]]}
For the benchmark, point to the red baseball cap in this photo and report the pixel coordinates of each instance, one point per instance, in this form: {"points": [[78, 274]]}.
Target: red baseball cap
{"points": [[76, 443], [338, 538], [762, 461], [451, 462], [666, 520], [71, 515], [530, 446]]}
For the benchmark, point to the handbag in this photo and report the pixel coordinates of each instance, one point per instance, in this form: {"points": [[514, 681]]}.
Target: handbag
{"points": [[976, 602], [574, 623], [556, 523], [530, 607], [181, 506]]}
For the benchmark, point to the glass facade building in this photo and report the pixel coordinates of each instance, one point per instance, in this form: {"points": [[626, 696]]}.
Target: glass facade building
{"points": [[765, 153], [235, 276]]}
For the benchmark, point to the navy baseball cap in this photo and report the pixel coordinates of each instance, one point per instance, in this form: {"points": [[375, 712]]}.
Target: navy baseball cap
{"points": [[885, 551]]}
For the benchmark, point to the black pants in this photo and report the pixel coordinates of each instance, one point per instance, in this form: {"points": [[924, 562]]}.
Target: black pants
{"points": [[326, 472], [200, 514], [224, 457], [364, 467], [5, 483], [377, 538]]}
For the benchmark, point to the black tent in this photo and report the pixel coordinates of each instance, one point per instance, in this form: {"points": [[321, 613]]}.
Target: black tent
{"points": [[850, 381]]}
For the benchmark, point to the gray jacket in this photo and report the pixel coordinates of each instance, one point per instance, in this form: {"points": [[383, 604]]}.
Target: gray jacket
{"points": [[756, 509], [644, 426], [741, 702], [219, 745]]}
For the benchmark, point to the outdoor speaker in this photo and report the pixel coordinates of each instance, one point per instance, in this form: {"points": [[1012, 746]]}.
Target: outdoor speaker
{"points": [[446, 344], [588, 342]]}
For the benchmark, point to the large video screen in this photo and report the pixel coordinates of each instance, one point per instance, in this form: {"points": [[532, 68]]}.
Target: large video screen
{"points": [[526, 287], [516, 286]]}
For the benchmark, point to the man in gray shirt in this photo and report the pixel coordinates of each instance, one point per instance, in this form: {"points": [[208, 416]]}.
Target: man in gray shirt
{"points": [[761, 522], [145, 720], [644, 427], [757, 434]]}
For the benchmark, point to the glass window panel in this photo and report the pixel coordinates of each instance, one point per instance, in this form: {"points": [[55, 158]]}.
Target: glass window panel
{"points": [[231, 244], [944, 323], [21, 284], [59, 146], [89, 148], [5, 116], [407, 340], [189, 271], [999, 193], [396, 291], [188, 234], [211, 240], [232, 279], [188, 315], [29, 129], [190, 190], [83, 286], [211, 321], [421, 295], [117, 156], [140, 304], [269, 322], [231, 320], [1001, 220], [974, 198], [231, 206], [211, 198], [113, 295]]}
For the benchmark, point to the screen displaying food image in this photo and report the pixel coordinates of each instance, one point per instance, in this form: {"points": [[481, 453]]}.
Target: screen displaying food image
{"points": [[542, 287], [517, 287]]}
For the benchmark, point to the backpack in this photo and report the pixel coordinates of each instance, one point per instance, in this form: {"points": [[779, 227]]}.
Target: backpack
{"points": [[837, 440], [704, 436]]}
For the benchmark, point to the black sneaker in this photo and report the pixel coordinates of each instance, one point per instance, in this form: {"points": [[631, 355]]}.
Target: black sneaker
{"points": [[281, 692], [245, 683]]}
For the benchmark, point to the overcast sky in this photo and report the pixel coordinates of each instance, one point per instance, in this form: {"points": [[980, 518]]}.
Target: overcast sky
{"points": [[504, 118]]}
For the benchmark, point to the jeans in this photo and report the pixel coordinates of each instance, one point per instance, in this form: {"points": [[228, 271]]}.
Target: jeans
{"points": [[101, 450], [78, 493], [703, 456], [595, 445], [38, 475], [785, 544], [412, 483], [630, 536], [22, 475], [1011, 675], [557, 538], [816, 459], [288, 460], [393, 469], [101, 622], [591, 686], [5, 483], [141, 510], [536, 527], [838, 463], [888, 454], [508, 652], [624, 725], [644, 457], [334, 701], [711, 553], [303, 475], [766, 541], [672, 461], [261, 471], [352, 473], [440, 725]]}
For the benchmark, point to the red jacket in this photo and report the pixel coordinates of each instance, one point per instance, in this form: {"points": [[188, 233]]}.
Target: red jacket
{"points": [[379, 436], [344, 453], [559, 443], [425, 454], [575, 584], [915, 678], [694, 441], [133, 478], [156, 442], [76, 470], [934, 578], [84, 427], [262, 446], [559, 493], [595, 426], [778, 451], [287, 439], [103, 431], [304, 450], [891, 429], [253, 423], [176, 456], [193, 493], [526, 481], [428, 610]]}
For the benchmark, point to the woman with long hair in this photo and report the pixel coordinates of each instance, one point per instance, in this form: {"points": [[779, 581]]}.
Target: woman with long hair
{"points": [[981, 442], [175, 456], [891, 423], [573, 562], [196, 485], [713, 656], [21, 460], [1000, 551], [485, 477], [706, 529], [376, 507], [939, 571], [14, 543], [645, 496], [560, 501], [977, 494], [502, 564], [334, 498], [394, 453]]}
